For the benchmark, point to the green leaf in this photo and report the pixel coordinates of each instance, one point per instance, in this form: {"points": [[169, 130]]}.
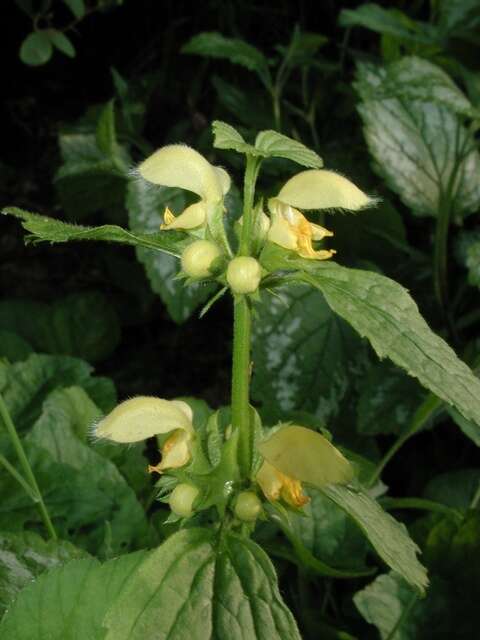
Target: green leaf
{"points": [[389, 604], [215, 45], [62, 43], [24, 556], [12, 346], [25, 385], [388, 21], [43, 228], [69, 602], [193, 586], [469, 427], [89, 180], [303, 354], [77, 7], [146, 205], [456, 489], [383, 311], [227, 137], [36, 49], [81, 324], [413, 78], [421, 148], [468, 248], [459, 18], [388, 537], [105, 133], [272, 144], [388, 400], [85, 494], [329, 533]]}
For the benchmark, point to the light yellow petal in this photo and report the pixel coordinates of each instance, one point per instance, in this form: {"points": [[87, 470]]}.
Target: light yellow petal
{"points": [[175, 452], [321, 189], [275, 485], [192, 217], [177, 165], [307, 456], [319, 233], [224, 179], [141, 418], [281, 231]]}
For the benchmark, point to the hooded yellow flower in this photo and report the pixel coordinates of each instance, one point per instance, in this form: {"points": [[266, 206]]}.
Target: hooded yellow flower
{"points": [[312, 189], [181, 166], [144, 417], [293, 455]]}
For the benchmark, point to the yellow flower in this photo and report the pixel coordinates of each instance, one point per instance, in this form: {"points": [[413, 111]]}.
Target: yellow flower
{"points": [[293, 455], [181, 166], [144, 417], [312, 189]]}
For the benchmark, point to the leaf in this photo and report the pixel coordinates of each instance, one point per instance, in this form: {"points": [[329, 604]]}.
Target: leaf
{"points": [[388, 400], [36, 49], [421, 149], [303, 354], [193, 586], [469, 427], [88, 180], [69, 602], [468, 248], [85, 494], [12, 346], [459, 18], [253, 111], [388, 537], [412, 78], [272, 144], [25, 385], [329, 533], [43, 228], [456, 489], [62, 42], [24, 556], [383, 311], [388, 21], [214, 45], [77, 7], [386, 601], [105, 132], [227, 137], [146, 205], [81, 324]]}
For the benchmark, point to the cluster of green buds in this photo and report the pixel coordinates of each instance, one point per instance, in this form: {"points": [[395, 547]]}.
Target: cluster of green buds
{"points": [[197, 471]]}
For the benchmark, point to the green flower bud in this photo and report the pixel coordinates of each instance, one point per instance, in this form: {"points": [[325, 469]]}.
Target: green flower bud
{"points": [[248, 506], [198, 257], [244, 274], [182, 499]]}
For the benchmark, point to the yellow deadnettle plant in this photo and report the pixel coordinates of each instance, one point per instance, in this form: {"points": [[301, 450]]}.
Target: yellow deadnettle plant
{"points": [[312, 189], [180, 166]]}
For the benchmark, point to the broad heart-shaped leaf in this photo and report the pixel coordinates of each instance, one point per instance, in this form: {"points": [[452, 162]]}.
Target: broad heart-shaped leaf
{"points": [[413, 78], [388, 400], [272, 144], [81, 324], [24, 556], [86, 496], [227, 137], [382, 310], [388, 537], [421, 148], [146, 205], [215, 45], [25, 385], [69, 602], [199, 587], [89, 180], [303, 354], [52, 230]]}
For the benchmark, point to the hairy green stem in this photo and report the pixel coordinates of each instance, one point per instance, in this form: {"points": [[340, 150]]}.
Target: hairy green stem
{"points": [[242, 329], [27, 469]]}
